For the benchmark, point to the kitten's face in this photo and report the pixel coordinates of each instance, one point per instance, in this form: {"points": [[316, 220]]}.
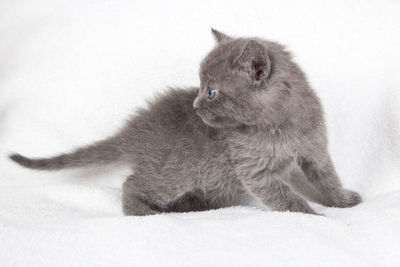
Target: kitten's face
{"points": [[232, 77]]}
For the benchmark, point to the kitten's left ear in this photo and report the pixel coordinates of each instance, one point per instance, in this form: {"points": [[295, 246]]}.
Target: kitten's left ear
{"points": [[254, 59], [219, 36]]}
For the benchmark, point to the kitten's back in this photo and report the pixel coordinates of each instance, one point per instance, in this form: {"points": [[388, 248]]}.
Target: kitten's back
{"points": [[147, 135]]}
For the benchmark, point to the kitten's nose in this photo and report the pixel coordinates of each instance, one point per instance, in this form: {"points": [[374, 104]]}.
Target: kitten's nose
{"points": [[196, 104]]}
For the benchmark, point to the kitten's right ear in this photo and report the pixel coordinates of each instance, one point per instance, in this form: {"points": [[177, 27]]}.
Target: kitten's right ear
{"points": [[219, 36], [254, 59]]}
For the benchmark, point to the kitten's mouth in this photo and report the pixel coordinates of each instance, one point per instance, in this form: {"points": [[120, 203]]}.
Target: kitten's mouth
{"points": [[216, 121], [204, 118]]}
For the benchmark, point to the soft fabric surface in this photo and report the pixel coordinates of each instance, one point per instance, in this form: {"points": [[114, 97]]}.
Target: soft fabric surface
{"points": [[71, 72]]}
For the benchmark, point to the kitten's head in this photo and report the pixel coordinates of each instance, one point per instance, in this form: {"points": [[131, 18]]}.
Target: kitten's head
{"points": [[234, 82]]}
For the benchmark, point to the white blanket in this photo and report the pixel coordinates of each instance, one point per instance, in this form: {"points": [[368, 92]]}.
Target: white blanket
{"points": [[71, 72]]}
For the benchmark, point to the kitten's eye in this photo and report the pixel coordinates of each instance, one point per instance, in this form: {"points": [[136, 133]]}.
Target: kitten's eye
{"points": [[211, 93]]}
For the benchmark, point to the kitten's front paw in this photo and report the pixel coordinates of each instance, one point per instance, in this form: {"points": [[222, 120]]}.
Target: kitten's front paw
{"points": [[348, 199], [300, 206]]}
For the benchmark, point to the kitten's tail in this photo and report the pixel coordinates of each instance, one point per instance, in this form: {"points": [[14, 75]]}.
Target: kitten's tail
{"points": [[102, 152]]}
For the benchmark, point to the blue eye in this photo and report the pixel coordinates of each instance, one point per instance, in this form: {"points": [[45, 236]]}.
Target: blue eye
{"points": [[211, 93]]}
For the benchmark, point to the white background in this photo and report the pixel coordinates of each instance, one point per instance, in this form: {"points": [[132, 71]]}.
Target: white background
{"points": [[71, 72]]}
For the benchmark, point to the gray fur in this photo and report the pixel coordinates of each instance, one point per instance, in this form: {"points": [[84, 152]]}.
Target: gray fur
{"points": [[262, 135]]}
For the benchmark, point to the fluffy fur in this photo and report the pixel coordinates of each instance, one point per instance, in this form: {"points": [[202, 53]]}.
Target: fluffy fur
{"points": [[261, 135]]}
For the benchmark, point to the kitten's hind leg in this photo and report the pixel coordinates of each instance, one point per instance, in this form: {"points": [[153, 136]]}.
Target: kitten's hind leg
{"points": [[134, 201], [190, 202], [321, 173]]}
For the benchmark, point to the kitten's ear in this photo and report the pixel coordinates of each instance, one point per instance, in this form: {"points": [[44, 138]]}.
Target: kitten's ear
{"points": [[254, 59], [219, 36]]}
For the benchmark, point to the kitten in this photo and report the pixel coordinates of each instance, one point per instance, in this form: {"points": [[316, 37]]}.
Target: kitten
{"points": [[253, 121]]}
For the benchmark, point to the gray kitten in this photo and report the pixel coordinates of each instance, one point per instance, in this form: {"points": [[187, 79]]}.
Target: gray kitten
{"points": [[253, 128]]}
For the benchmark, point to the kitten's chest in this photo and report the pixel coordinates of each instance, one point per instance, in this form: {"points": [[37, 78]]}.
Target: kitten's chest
{"points": [[257, 151]]}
